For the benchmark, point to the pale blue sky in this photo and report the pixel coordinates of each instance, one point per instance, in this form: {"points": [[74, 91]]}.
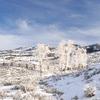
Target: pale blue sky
{"points": [[28, 22]]}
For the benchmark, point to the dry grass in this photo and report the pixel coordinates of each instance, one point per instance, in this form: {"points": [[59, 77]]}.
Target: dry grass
{"points": [[25, 83]]}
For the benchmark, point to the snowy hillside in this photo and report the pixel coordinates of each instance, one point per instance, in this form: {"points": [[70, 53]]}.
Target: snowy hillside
{"points": [[72, 85], [22, 79]]}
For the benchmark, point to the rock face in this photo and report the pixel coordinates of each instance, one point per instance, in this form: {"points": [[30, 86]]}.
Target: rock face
{"points": [[67, 57]]}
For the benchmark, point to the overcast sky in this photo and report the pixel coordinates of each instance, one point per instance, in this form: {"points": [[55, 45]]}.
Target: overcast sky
{"points": [[28, 22]]}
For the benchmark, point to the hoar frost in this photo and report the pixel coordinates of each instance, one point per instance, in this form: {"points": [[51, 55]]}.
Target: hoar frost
{"points": [[70, 57], [89, 90]]}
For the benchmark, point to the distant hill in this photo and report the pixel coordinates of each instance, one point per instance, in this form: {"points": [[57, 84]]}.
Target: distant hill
{"points": [[92, 48]]}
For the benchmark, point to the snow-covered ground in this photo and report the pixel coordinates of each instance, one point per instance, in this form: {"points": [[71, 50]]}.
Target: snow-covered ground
{"points": [[73, 84], [63, 86]]}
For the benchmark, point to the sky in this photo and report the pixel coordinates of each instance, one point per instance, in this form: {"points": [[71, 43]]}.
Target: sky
{"points": [[28, 22]]}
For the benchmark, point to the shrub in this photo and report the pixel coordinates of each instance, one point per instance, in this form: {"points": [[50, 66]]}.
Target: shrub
{"points": [[89, 90], [75, 98], [7, 83]]}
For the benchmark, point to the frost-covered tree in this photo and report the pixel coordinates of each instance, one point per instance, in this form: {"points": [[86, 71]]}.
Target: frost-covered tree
{"points": [[64, 51], [71, 56], [42, 51], [82, 57]]}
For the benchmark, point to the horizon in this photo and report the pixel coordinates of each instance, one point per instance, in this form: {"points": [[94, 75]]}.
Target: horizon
{"points": [[28, 22], [50, 45]]}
